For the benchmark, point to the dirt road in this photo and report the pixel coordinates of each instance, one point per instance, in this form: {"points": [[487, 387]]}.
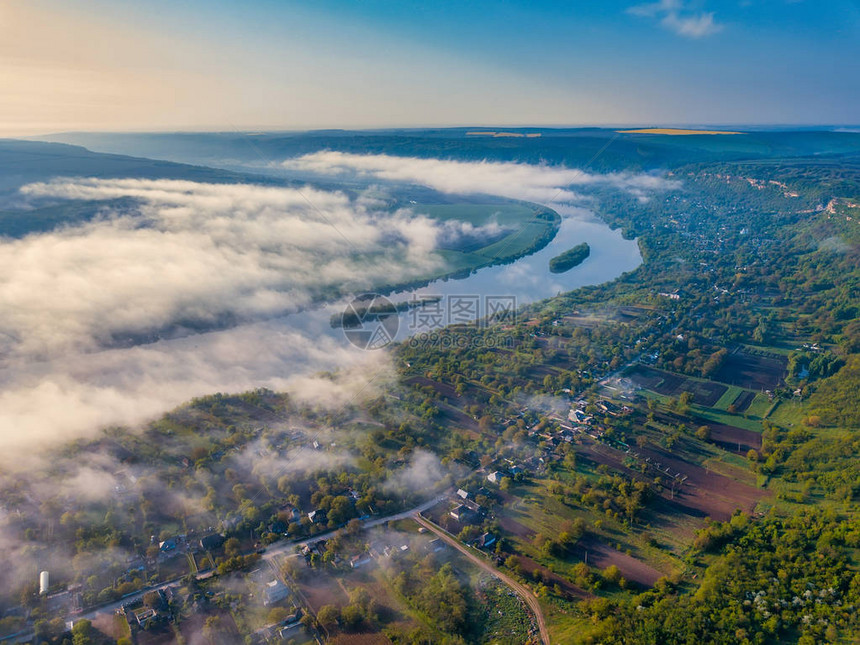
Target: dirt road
{"points": [[521, 590]]}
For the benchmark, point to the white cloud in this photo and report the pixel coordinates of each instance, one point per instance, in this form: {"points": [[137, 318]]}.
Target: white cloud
{"points": [[72, 301], [195, 254], [68, 397], [294, 463], [673, 16], [542, 183], [692, 26], [422, 474], [75, 303]]}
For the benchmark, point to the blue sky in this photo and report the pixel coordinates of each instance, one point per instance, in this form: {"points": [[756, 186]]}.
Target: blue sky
{"points": [[97, 65]]}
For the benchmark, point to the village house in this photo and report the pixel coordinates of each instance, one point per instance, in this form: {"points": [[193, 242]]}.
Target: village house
{"points": [[293, 514], [167, 545], [461, 513], [274, 591], [317, 517], [357, 561], [211, 541]]}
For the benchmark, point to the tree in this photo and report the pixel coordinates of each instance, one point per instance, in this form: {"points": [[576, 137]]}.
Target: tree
{"points": [[443, 599], [582, 574], [512, 562], [292, 568], [231, 547], [684, 400], [328, 616], [82, 632], [308, 622], [284, 483], [612, 574], [352, 616]]}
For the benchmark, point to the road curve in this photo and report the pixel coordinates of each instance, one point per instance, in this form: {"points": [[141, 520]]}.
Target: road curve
{"points": [[521, 590]]}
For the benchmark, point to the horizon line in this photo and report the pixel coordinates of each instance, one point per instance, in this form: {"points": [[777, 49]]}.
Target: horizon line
{"points": [[380, 128]]}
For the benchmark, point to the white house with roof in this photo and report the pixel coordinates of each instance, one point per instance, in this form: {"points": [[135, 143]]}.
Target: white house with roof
{"points": [[275, 591]]}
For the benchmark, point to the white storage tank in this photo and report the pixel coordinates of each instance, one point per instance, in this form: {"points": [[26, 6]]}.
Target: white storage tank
{"points": [[44, 583]]}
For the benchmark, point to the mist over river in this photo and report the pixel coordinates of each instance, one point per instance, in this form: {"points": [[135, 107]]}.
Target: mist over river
{"points": [[521, 282]]}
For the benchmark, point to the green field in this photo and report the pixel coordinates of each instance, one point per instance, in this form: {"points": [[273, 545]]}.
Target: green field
{"points": [[531, 228], [712, 414], [513, 213], [728, 397], [787, 413]]}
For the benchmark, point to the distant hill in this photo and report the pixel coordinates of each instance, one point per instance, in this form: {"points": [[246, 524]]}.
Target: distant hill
{"points": [[601, 150], [23, 162]]}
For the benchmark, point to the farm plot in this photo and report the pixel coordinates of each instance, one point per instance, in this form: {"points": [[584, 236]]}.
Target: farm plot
{"points": [[742, 401], [539, 511], [513, 527], [656, 380], [705, 393], [631, 313], [162, 634], [712, 493], [703, 492], [753, 369], [601, 555], [732, 438], [726, 436], [450, 404]]}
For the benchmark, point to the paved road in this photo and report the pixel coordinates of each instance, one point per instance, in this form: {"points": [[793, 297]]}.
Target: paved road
{"points": [[289, 547], [521, 590]]}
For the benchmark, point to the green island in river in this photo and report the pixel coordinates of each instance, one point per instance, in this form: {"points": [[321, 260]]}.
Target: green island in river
{"points": [[570, 258]]}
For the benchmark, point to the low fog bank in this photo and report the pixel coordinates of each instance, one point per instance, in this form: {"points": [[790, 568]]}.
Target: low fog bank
{"points": [[75, 396], [537, 183], [185, 256]]}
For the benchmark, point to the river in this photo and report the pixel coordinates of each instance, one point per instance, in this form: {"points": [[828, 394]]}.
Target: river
{"points": [[524, 281]]}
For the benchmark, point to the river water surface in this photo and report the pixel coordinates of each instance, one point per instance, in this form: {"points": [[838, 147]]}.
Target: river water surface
{"points": [[524, 281]]}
